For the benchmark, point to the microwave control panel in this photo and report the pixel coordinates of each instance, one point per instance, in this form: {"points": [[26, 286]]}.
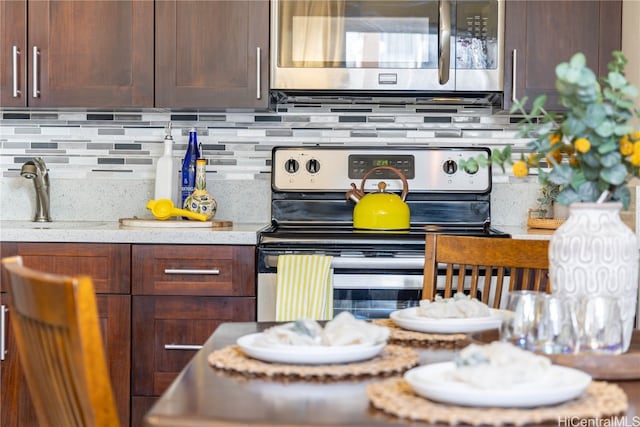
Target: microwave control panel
{"points": [[320, 169]]}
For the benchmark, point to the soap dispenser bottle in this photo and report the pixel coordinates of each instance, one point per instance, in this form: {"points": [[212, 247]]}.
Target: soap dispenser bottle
{"points": [[166, 185]]}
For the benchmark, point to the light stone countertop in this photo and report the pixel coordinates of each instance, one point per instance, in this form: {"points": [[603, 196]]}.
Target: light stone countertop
{"points": [[113, 232], [525, 233]]}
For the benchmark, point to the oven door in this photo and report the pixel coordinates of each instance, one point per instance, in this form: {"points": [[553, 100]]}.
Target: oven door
{"points": [[371, 45], [368, 287]]}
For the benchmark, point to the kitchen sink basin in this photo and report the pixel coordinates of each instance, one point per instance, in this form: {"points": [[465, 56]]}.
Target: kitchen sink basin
{"points": [[57, 225]]}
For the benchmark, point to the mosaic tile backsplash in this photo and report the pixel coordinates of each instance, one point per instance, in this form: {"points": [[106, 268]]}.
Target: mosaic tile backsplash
{"points": [[102, 164]]}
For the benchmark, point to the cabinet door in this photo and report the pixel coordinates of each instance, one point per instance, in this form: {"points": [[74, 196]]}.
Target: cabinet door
{"points": [[115, 316], [167, 331], [542, 34], [109, 266], [13, 42], [16, 408], [212, 53], [79, 54]]}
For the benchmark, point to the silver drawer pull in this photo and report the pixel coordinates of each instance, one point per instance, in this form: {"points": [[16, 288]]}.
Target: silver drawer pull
{"points": [[182, 347], [3, 349], [189, 271]]}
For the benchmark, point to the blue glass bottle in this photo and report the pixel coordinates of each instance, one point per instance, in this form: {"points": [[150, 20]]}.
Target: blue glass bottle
{"points": [[189, 167]]}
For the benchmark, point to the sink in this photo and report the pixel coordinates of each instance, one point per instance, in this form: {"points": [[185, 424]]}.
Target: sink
{"points": [[57, 225]]}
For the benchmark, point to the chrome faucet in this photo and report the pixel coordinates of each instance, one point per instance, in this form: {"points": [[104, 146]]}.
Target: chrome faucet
{"points": [[36, 170]]}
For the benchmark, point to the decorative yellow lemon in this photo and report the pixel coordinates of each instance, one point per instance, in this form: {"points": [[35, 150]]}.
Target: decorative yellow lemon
{"points": [[626, 146], [582, 145], [520, 169]]}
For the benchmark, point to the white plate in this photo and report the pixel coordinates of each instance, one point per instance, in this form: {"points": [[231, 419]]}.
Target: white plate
{"points": [[408, 318], [561, 384], [307, 354]]}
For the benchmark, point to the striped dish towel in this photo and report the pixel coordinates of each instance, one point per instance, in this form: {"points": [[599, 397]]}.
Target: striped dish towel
{"points": [[303, 287]]}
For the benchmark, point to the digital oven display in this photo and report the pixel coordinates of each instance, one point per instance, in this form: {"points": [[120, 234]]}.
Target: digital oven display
{"points": [[360, 164]]}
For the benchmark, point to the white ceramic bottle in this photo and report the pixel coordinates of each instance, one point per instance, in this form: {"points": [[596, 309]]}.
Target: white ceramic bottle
{"points": [[166, 172]]}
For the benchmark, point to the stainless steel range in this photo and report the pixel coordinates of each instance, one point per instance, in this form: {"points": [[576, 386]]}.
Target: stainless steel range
{"points": [[374, 271]]}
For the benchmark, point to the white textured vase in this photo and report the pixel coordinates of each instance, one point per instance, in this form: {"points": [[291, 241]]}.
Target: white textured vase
{"points": [[595, 253]]}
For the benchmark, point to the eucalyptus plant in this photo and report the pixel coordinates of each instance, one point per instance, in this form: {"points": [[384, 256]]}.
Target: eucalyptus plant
{"points": [[590, 150], [546, 197]]}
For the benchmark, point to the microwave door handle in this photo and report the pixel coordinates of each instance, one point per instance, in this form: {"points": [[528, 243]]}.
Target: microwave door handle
{"points": [[444, 40]]}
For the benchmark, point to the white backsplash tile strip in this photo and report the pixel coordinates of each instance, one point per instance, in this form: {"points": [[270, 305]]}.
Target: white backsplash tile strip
{"points": [[102, 164]]}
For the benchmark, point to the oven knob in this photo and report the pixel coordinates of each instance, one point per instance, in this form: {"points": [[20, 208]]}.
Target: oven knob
{"points": [[471, 168], [450, 167], [313, 166], [291, 165]]}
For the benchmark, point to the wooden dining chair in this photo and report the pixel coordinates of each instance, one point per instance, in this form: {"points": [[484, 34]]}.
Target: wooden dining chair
{"points": [[55, 322], [482, 265]]}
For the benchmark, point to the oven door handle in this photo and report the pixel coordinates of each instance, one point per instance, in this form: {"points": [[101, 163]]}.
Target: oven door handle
{"points": [[373, 263], [369, 263]]}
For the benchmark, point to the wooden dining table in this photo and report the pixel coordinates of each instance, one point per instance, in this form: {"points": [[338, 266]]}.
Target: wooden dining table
{"points": [[204, 396]]}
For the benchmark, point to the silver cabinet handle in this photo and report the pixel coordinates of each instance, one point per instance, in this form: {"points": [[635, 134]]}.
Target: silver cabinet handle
{"points": [[258, 69], [190, 271], [444, 42], [36, 91], [182, 347], [514, 74], [15, 53], [3, 348]]}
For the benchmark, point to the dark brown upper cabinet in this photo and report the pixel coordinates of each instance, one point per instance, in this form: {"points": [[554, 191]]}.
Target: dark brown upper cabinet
{"points": [[542, 34], [68, 53], [212, 54]]}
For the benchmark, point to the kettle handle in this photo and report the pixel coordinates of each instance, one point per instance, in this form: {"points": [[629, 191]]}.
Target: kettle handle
{"points": [[405, 184]]}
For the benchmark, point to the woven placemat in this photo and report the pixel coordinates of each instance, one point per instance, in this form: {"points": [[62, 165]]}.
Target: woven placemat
{"points": [[406, 337], [392, 360], [395, 396]]}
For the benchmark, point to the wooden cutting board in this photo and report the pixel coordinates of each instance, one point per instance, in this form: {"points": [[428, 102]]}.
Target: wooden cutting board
{"points": [[173, 223]]}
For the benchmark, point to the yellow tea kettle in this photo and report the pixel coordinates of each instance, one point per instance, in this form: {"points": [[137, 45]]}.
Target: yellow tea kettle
{"points": [[380, 210]]}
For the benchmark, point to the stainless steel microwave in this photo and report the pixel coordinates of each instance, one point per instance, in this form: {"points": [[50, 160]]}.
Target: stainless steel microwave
{"points": [[394, 45]]}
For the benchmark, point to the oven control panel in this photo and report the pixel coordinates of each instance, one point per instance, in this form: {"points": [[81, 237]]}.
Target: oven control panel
{"points": [[360, 164], [328, 169]]}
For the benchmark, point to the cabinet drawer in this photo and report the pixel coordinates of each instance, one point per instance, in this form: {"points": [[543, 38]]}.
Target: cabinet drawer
{"points": [[107, 264], [193, 270], [168, 330]]}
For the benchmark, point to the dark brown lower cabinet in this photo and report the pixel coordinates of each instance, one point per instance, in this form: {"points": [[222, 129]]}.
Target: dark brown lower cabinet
{"points": [[109, 265], [167, 331], [181, 293], [157, 305]]}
